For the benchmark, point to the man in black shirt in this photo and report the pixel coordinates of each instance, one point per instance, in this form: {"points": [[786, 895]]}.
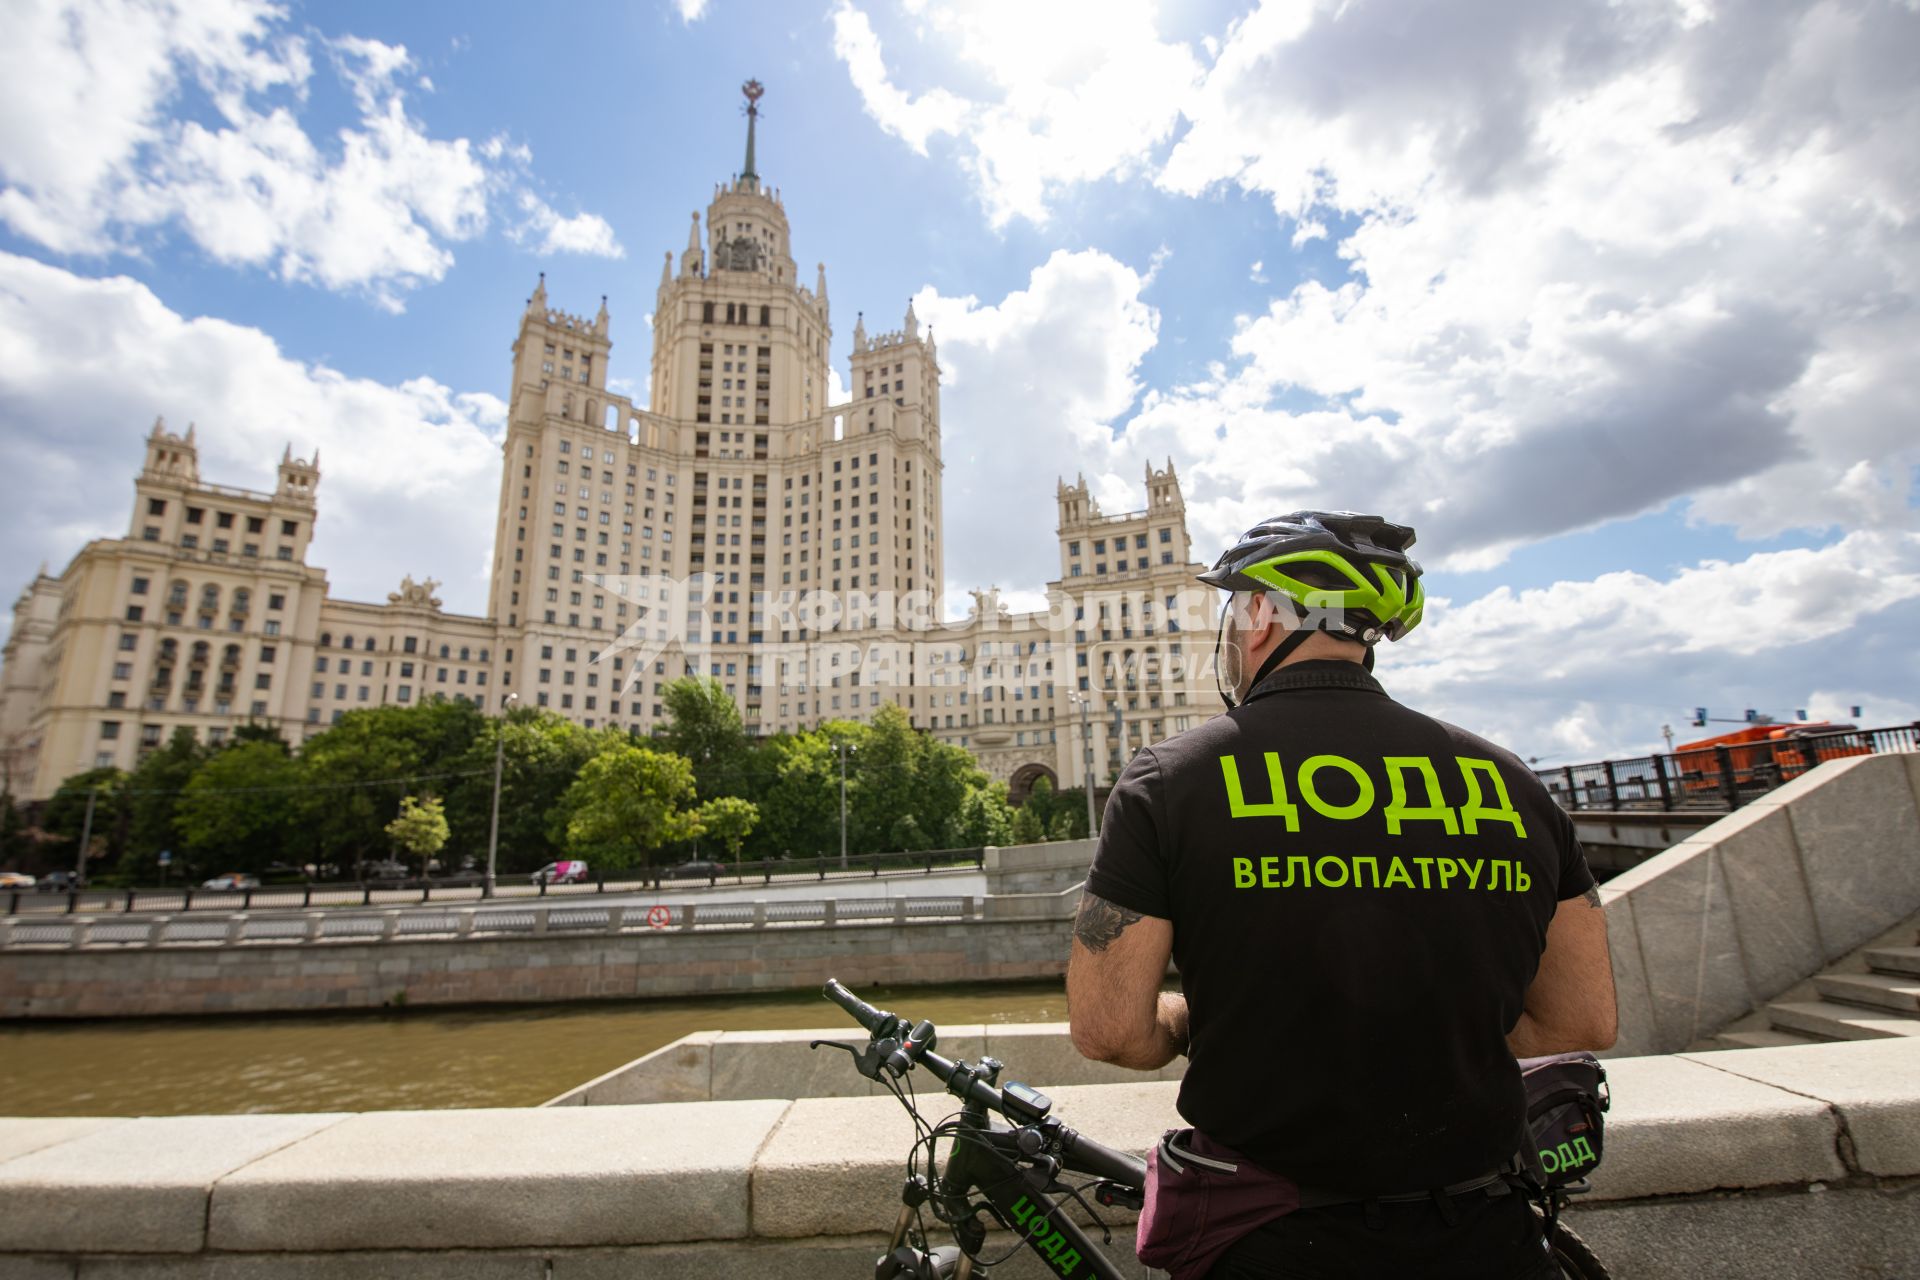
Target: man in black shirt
{"points": [[1372, 913]]}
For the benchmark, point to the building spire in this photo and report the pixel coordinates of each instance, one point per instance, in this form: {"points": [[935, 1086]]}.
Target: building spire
{"points": [[753, 91]]}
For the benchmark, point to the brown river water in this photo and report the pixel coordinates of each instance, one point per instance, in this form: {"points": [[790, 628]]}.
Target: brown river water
{"points": [[375, 1061]]}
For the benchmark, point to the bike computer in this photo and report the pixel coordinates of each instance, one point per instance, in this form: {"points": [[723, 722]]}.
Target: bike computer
{"points": [[1026, 1102]]}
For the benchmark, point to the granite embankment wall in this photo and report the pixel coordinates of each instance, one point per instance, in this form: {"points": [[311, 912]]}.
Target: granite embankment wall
{"points": [[1764, 1164], [1010, 934], [294, 977], [1764, 898]]}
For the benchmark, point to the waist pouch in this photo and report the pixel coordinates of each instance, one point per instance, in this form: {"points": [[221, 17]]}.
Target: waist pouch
{"points": [[1201, 1198], [1567, 1102]]}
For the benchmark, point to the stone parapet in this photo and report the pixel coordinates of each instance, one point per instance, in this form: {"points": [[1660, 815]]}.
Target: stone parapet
{"points": [[1809, 1152], [1729, 919]]}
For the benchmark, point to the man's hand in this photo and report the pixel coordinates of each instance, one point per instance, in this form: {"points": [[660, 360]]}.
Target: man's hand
{"points": [[1571, 1002], [1118, 1012]]}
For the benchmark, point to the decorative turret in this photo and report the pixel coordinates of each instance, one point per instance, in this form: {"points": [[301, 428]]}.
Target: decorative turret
{"points": [[537, 304], [298, 477], [913, 323], [690, 264], [859, 332], [820, 284], [601, 319], [172, 455], [666, 270]]}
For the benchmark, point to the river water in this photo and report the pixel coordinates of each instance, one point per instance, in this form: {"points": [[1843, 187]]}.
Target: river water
{"points": [[375, 1061]]}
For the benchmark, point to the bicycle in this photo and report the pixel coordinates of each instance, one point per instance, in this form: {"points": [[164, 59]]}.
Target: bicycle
{"points": [[1018, 1169]]}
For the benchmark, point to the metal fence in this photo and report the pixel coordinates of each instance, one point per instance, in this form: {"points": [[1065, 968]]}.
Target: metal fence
{"points": [[1716, 778], [290, 928], [467, 888]]}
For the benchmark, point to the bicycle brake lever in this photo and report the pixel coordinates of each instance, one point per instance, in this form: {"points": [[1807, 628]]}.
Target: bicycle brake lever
{"points": [[833, 1044], [868, 1062]]}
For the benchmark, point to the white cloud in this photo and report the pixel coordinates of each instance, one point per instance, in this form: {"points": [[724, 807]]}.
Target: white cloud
{"points": [[1030, 386], [1605, 257], [1631, 652], [401, 464], [99, 146], [1080, 91], [549, 233], [691, 10]]}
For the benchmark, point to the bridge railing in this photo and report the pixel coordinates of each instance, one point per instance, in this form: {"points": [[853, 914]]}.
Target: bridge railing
{"points": [[453, 889], [285, 928], [1714, 778]]}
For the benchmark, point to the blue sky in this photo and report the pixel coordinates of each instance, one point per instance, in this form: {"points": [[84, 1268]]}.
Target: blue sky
{"points": [[1612, 301]]}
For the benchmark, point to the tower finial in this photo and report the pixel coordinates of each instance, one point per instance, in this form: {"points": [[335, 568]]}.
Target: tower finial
{"points": [[753, 91]]}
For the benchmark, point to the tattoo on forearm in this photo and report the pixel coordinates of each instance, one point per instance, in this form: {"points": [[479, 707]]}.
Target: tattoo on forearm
{"points": [[1100, 922], [1593, 897]]}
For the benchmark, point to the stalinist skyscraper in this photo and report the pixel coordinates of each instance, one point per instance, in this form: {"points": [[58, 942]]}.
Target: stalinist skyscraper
{"points": [[743, 526], [739, 472]]}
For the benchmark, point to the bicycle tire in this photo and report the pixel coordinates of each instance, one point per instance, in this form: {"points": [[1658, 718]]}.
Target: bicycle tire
{"points": [[1572, 1256]]}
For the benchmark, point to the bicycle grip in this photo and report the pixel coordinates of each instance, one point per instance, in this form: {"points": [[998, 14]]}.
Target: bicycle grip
{"points": [[863, 1013]]}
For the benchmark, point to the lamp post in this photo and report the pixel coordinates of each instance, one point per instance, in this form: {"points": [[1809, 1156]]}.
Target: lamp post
{"points": [[499, 758], [1085, 702], [843, 748], [86, 838]]}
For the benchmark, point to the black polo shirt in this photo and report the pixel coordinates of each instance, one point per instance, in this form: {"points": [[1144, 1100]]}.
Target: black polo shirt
{"points": [[1359, 895]]}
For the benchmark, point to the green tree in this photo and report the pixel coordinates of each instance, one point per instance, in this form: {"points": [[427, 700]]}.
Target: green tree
{"points": [[1026, 827], [420, 830], [360, 768], [627, 803], [983, 818], [730, 820], [703, 724], [154, 792], [65, 817], [542, 755], [1063, 826], [239, 812], [800, 805]]}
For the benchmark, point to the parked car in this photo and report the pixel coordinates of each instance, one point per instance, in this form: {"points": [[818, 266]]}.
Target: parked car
{"points": [[697, 870], [563, 872], [232, 880], [58, 882], [386, 869], [15, 880]]}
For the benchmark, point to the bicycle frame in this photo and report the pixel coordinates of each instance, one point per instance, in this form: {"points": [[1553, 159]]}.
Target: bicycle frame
{"points": [[983, 1158]]}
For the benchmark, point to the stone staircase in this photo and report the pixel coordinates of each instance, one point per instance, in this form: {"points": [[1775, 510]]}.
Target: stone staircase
{"points": [[1880, 1003]]}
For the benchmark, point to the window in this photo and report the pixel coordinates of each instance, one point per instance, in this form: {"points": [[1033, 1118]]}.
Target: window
{"points": [[109, 730], [156, 506], [139, 586]]}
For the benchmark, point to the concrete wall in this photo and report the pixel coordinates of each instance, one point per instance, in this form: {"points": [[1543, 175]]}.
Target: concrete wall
{"points": [[1763, 898], [257, 979], [1038, 868], [1779, 1163]]}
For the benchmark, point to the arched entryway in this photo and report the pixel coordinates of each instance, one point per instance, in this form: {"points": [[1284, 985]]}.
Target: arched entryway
{"points": [[1020, 785]]}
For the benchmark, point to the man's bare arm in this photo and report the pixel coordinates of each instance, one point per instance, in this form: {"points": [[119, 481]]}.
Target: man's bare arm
{"points": [[1570, 1004], [1118, 1012]]}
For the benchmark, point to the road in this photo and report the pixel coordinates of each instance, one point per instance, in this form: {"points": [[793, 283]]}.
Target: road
{"points": [[519, 895]]}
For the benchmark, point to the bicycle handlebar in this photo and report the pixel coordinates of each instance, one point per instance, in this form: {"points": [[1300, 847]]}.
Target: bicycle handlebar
{"points": [[1081, 1152], [877, 1021]]}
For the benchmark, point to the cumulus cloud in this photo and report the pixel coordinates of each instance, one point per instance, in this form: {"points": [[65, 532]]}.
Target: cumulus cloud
{"points": [[100, 146], [1600, 257], [1577, 670], [549, 233], [1028, 397], [1078, 91], [401, 463]]}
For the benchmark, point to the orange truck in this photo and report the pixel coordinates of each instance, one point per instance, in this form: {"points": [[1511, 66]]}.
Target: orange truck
{"points": [[1763, 754]]}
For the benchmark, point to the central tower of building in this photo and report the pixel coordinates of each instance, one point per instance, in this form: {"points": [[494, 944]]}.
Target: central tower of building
{"points": [[739, 470]]}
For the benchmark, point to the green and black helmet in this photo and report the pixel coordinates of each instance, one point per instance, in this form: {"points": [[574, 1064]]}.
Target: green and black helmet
{"points": [[1347, 571], [1344, 573]]}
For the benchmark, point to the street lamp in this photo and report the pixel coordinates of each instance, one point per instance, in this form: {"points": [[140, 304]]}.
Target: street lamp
{"points": [[842, 748], [499, 758], [1085, 702]]}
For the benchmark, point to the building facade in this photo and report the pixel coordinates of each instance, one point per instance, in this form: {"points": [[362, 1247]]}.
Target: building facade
{"points": [[740, 527]]}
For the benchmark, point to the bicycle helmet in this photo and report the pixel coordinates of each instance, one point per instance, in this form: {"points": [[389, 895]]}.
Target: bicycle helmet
{"points": [[1342, 572]]}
